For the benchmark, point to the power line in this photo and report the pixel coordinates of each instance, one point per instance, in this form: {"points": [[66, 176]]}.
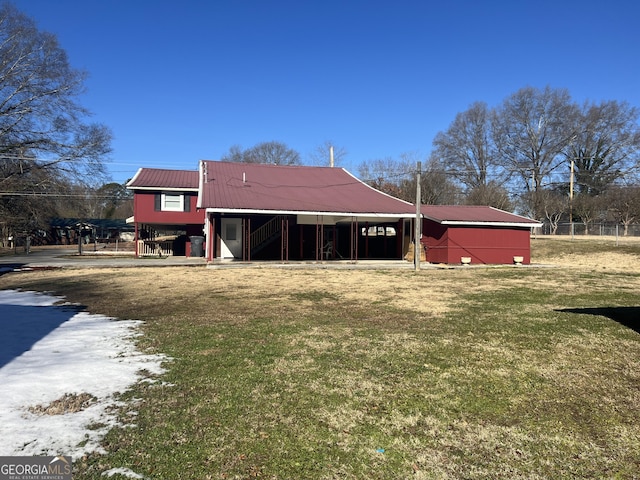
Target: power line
{"points": [[62, 195]]}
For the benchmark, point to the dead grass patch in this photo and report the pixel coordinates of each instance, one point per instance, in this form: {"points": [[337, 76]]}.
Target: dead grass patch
{"points": [[68, 403]]}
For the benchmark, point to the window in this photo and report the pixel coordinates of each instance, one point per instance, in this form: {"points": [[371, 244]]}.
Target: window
{"points": [[378, 231], [172, 202], [231, 232]]}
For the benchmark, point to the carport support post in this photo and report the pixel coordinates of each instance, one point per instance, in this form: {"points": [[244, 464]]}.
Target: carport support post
{"points": [[418, 226]]}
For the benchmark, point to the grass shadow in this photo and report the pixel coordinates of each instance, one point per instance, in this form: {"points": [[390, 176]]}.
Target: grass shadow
{"points": [[627, 316]]}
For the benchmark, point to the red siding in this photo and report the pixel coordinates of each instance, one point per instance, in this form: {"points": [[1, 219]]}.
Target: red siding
{"points": [[485, 245], [436, 238], [143, 207]]}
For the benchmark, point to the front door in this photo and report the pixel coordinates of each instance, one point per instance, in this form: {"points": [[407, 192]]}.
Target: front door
{"points": [[231, 238]]}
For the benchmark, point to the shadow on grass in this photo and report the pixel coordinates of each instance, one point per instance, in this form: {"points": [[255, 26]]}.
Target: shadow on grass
{"points": [[627, 316]]}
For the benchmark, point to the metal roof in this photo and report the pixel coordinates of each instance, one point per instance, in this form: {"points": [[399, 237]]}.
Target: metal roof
{"points": [[231, 187], [259, 188], [164, 179], [475, 215]]}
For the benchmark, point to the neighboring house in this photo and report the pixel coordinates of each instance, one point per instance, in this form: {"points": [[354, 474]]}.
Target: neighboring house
{"points": [[64, 231], [245, 211], [476, 235]]}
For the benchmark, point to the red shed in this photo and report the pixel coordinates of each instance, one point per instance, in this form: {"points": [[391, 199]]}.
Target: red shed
{"points": [[475, 234]]}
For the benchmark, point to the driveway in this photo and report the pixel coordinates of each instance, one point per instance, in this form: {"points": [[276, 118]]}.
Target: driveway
{"points": [[67, 257], [56, 257]]}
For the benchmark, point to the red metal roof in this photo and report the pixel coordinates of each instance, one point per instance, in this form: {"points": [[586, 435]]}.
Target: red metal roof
{"points": [[252, 187], [471, 214], [157, 178], [229, 186]]}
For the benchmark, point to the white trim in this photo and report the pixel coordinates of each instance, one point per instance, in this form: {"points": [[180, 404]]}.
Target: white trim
{"points": [[378, 191], [486, 224], [200, 183], [244, 211], [164, 189], [134, 178], [163, 203]]}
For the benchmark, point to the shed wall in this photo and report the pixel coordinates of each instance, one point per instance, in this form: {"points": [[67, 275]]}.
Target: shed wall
{"points": [[485, 245]]}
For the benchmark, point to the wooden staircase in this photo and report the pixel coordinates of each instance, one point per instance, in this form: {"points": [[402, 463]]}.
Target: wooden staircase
{"points": [[266, 234]]}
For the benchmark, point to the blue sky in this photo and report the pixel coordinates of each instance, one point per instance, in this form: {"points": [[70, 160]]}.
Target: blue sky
{"points": [[180, 81]]}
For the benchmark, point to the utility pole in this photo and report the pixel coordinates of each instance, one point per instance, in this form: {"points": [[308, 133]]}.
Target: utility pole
{"points": [[571, 199], [418, 227]]}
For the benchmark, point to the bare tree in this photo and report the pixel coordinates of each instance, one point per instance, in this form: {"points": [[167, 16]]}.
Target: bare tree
{"points": [[492, 194], [436, 188], [606, 146], [33, 199], [466, 149], [387, 174], [235, 154], [624, 205], [42, 126], [46, 139], [588, 208], [321, 155], [273, 153], [555, 204], [531, 130]]}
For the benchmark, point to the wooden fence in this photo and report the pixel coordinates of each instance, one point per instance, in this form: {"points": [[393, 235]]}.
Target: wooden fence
{"points": [[153, 248]]}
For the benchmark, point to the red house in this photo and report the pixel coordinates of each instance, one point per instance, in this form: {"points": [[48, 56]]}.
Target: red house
{"points": [[165, 213], [475, 235], [276, 212], [266, 212], [228, 210]]}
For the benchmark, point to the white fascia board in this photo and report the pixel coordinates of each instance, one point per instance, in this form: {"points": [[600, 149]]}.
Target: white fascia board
{"points": [[488, 224], [348, 215], [201, 176], [164, 189], [375, 189], [133, 179]]}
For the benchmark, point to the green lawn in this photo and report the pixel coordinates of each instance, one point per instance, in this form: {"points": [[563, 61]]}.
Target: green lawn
{"points": [[320, 374]]}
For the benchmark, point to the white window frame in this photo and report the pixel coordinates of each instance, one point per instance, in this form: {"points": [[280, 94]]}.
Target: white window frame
{"points": [[172, 197]]}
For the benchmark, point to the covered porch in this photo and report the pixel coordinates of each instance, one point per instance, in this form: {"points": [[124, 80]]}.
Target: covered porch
{"points": [[165, 240], [289, 236]]}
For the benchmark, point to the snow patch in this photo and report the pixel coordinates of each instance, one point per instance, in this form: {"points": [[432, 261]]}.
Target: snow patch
{"points": [[85, 355]]}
